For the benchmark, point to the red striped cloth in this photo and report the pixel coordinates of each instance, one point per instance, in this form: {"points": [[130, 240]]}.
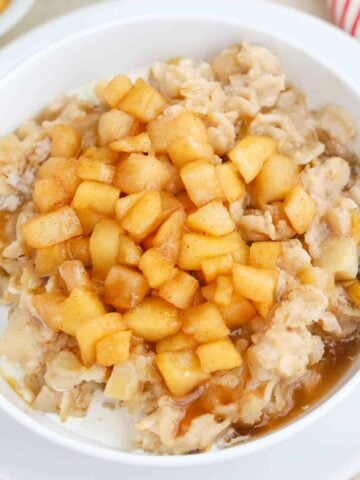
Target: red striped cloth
{"points": [[346, 14]]}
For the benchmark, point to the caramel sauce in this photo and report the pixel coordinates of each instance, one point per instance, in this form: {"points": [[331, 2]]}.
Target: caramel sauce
{"points": [[206, 402], [8, 225], [337, 359], [3, 226]]}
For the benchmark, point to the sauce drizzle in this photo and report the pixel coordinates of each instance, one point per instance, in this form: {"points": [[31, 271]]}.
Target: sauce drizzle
{"points": [[338, 358]]}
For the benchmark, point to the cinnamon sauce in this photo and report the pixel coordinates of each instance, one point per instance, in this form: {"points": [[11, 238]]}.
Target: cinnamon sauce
{"points": [[337, 359]]}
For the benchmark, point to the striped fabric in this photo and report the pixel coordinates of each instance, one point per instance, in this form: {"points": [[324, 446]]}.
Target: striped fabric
{"points": [[346, 14]]}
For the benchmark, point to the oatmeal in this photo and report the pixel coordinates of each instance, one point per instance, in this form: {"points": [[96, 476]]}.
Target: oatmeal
{"points": [[187, 245]]}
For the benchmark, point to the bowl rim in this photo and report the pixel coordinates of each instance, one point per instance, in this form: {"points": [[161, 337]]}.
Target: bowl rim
{"points": [[12, 15], [108, 453]]}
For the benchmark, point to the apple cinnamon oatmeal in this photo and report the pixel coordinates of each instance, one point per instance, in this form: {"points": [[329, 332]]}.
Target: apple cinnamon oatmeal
{"points": [[187, 245]]}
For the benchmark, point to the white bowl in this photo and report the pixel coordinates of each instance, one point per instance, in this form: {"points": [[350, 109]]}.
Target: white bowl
{"points": [[16, 10], [129, 44]]}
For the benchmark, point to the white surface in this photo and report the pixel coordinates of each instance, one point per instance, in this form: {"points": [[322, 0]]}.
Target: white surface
{"points": [[13, 14], [249, 466]]}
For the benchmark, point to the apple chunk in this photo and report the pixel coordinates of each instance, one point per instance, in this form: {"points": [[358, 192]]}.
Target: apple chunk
{"points": [[125, 287], [257, 284], [153, 320], [250, 153], [94, 330], [51, 228], [181, 371]]}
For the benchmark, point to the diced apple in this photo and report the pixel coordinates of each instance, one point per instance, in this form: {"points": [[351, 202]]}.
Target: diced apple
{"points": [[113, 349], [224, 291], [48, 307], [65, 141], [88, 219], [156, 268], [142, 218], [168, 237], [214, 266], [153, 320], [201, 182], [164, 131], [74, 275], [51, 228], [48, 259], [354, 291], [355, 224], [198, 297], [218, 355], [264, 254], [277, 177], [169, 203], [143, 101], [160, 134], [141, 172], [212, 219], [104, 246], [123, 204], [101, 154], [180, 290], [64, 169], [174, 185], [264, 308], [81, 306], [339, 256], [49, 194], [116, 89], [236, 210], [181, 371], [116, 124], [300, 209], [241, 254], [93, 331], [230, 181], [208, 291], [95, 196], [186, 203], [205, 323], [250, 153], [257, 284], [79, 249], [124, 287], [124, 383], [139, 143], [195, 247], [129, 253], [238, 312], [183, 150], [179, 341], [89, 169]]}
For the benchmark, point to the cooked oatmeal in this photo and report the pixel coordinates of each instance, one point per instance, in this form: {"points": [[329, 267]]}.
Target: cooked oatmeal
{"points": [[187, 245]]}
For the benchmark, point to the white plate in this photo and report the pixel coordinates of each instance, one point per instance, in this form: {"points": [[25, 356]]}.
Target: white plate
{"points": [[13, 14], [319, 446]]}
